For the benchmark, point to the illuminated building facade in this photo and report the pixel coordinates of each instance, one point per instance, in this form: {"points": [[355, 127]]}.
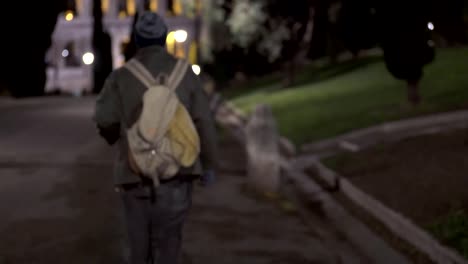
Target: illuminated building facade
{"points": [[70, 56]]}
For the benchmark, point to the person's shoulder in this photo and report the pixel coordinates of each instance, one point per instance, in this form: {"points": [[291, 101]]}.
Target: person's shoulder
{"points": [[118, 72]]}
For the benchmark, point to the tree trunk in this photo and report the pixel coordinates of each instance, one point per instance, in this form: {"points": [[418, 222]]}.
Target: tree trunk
{"points": [[414, 96], [131, 49], [289, 79], [102, 66]]}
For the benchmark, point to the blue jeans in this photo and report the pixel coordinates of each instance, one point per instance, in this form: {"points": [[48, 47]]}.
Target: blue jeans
{"points": [[154, 218]]}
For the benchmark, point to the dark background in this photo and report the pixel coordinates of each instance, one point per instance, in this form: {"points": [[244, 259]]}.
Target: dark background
{"points": [[26, 29]]}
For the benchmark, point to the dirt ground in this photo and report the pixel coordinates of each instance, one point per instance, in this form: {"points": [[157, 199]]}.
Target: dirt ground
{"points": [[424, 177]]}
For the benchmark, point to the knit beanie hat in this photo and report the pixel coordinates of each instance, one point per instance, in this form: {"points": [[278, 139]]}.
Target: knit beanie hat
{"points": [[150, 29]]}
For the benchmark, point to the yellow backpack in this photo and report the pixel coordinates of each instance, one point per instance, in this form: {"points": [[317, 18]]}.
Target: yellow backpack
{"points": [[164, 137]]}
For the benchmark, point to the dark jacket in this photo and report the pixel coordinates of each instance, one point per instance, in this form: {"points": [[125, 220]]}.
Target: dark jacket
{"points": [[119, 105]]}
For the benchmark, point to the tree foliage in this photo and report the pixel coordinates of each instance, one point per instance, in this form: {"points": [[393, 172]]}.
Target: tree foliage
{"points": [[269, 25], [357, 25], [406, 42]]}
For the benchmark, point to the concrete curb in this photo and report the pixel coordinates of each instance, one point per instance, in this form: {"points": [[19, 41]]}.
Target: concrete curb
{"points": [[387, 133], [395, 222], [370, 244]]}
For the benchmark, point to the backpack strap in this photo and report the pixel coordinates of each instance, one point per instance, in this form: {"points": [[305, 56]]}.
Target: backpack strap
{"points": [[140, 72], [178, 73]]}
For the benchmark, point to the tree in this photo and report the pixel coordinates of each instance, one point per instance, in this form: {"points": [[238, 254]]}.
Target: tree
{"points": [[357, 25], [223, 46], [319, 41], [274, 28], [131, 48], [297, 18], [22, 53], [102, 48], [406, 42]]}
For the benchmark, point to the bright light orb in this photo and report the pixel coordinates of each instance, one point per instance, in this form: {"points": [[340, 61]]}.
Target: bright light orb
{"points": [[88, 58], [65, 53], [69, 16], [430, 26], [180, 36], [196, 69]]}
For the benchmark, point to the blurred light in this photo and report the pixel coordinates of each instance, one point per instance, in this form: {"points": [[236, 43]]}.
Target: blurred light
{"points": [[170, 41], [65, 53], [196, 69], [104, 6], [430, 26], [88, 58], [69, 16], [131, 7], [430, 43], [180, 36], [122, 14], [153, 5], [177, 8]]}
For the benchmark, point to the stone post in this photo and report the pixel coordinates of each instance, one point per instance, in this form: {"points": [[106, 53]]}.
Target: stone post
{"points": [[262, 147]]}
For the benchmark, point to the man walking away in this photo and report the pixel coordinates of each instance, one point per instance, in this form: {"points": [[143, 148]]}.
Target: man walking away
{"points": [[154, 213]]}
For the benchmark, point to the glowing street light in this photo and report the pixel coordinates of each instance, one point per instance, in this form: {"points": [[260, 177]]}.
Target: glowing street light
{"points": [[180, 36], [88, 58], [196, 69], [65, 53], [430, 26], [69, 16]]}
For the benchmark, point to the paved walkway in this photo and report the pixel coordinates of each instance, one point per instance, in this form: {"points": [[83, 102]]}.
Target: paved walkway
{"points": [[58, 205]]}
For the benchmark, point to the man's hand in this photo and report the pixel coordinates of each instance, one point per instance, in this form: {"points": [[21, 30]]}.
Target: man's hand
{"points": [[208, 178]]}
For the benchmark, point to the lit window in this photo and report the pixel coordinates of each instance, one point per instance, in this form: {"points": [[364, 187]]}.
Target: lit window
{"points": [[131, 7], [153, 5], [105, 6], [175, 7], [79, 6]]}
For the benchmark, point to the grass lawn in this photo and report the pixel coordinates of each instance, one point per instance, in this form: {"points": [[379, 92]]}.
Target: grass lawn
{"points": [[424, 178], [337, 99]]}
